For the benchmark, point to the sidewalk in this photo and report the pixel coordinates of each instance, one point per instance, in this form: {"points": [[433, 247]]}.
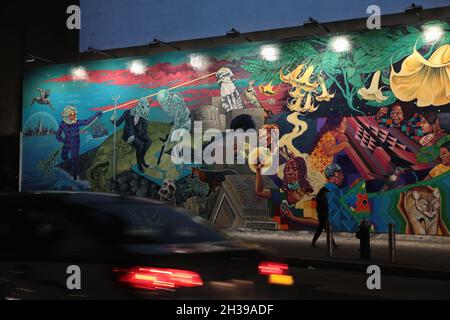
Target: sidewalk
{"points": [[416, 256]]}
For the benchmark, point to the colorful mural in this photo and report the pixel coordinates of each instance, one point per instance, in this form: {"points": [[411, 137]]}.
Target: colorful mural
{"points": [[370, 124]]}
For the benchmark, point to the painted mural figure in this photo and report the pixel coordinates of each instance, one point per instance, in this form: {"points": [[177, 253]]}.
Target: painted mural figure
{"points": [[431, 129], [397, 119], [329, 141], [231, 98], [43, 98], [176, 108], [295, 186], [444, 155], [69, 134], [422, 207], [135, 131], [338, 217]]}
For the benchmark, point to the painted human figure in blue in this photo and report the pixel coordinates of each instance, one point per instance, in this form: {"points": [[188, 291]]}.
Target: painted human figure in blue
{"points": [[340, 219], [69, 134]]}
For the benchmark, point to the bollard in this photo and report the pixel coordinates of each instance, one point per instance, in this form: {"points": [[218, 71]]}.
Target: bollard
{"points": [[363, 235], [392, 247], [329, 242]]}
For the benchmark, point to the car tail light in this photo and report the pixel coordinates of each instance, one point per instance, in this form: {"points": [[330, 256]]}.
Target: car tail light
{"points": [[277, 273], [158, 278], [268, 268]]}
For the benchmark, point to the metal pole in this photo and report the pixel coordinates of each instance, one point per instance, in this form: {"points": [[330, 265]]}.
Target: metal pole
{"points": [[392, 247], [20, 160], [116, 99], [329, 242]]}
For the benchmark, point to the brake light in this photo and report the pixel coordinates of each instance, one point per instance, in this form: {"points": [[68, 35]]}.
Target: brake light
{"points": [[277, 273], [158, 278], [268, 268]]}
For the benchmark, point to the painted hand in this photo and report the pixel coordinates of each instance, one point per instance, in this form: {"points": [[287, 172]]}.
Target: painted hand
{"points": [[130, 140]]}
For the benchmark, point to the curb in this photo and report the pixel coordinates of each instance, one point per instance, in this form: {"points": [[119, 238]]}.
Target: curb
{"points": [[422, 239], [389, 269]]}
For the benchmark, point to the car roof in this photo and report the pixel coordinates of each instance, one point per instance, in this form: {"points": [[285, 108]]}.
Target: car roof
{"points": [[78, 197]]}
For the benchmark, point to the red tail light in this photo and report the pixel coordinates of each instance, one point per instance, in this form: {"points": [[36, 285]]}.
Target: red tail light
{"points": [[277, 273], [269, 268], [157, 278]]}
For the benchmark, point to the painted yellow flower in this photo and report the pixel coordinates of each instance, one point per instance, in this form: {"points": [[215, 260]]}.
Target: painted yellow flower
{"points": [[373, 93], [305, 80], [325, 96], [268, 90], [428, 81]]}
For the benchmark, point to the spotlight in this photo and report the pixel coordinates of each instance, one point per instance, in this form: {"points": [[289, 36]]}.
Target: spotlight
{"points": [[137, 67], [432, 34], [270, 53], [199, 62], [340, 44], [79, 74]]}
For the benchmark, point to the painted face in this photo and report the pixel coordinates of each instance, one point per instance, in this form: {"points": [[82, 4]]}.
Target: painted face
{"points": [[426, 126], [291, 172], [397, 115], [444, 154], [338, 178], [69, 115], [343, 127]]}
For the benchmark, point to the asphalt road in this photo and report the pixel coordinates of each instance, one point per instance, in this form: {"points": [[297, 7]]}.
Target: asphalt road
{"points": [[346, 285]]}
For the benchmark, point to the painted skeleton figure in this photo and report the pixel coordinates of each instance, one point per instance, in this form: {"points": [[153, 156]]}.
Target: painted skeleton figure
{"points": [[231, 98], [176, 108]]}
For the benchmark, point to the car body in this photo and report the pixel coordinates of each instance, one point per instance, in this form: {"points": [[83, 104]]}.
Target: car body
{"points": [[64, 245]]}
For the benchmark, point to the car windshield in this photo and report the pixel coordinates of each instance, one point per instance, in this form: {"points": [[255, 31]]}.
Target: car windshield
{"points": [[150, 224]]}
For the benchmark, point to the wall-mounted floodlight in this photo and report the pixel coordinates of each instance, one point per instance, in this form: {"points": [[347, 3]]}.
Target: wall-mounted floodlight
{"points": [[90, 49], [79, 74], [413, 9], [137, 67], [32, 58], [270, 52], [313, 23], [233, 33], [159, 42], [432, 33], [340, 44]]}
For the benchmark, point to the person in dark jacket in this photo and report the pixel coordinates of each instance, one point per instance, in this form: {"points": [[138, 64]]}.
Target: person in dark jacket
{"points": [[335, 178], [322, 214], [135, 131]]}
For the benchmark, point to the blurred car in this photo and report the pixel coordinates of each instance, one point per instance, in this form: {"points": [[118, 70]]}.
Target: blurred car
{"points": [[103, 246]]}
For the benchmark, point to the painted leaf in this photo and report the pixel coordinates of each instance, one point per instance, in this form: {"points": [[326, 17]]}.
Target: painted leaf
{"points": [[355, 80], [398, 50]]}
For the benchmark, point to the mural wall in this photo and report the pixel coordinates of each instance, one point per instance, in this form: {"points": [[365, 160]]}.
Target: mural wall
{"points": [[371, 124]]}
